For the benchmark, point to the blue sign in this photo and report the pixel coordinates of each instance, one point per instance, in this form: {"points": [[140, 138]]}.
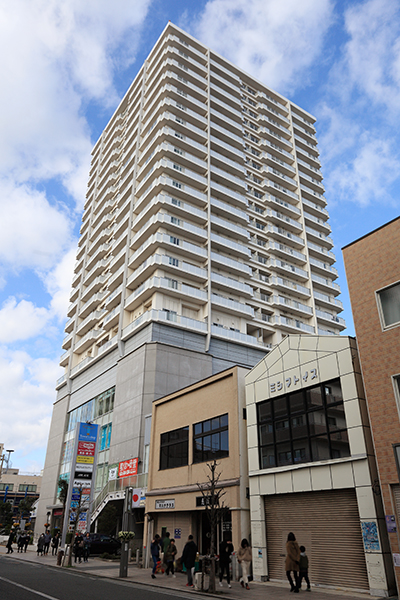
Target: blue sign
{"points": [[87, 432], [177, 533]]}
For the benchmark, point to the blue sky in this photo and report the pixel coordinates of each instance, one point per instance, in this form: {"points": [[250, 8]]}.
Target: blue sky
{"points": [[65, 67]]}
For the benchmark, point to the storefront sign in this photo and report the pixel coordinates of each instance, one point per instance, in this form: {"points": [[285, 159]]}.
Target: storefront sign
{"points": [[204, 500], [391, 524], [292, 382], [162, 504], [128, 467], [178, 533]]}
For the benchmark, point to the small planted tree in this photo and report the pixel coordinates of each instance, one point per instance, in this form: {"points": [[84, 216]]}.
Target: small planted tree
{"points": [[213, 492], [81, 507]]}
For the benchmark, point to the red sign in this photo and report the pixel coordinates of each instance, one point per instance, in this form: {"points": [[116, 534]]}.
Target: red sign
{"points": [[86, 448], [128, 467]]}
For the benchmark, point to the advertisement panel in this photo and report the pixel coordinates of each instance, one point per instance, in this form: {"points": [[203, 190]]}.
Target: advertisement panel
{"points": [[128, 467]]}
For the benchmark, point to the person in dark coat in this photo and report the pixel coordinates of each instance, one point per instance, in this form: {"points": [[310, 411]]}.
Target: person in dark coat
{"points": [[78, 547], [155, 553], [189, 558], [54, 543], [86, 547], [292, 562], [10, 540], [225, 551], [169, 557], [27, 540], [21, 541], [40, 545]]}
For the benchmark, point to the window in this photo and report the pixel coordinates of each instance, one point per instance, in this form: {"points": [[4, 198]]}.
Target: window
{"points": [[175, 221], [389, 305], [3, 487], [173, 261], [23, 487], [176, 202], [105, 437], [178, 151], [174, 240], [176, 184], [210, 439], [304, 426], [174, 448]]}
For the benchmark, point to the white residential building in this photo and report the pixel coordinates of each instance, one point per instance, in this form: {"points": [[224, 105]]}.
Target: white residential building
{"points": [[204, 242]]}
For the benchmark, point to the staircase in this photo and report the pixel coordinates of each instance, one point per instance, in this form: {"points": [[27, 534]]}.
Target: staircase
{"points": [[115, 490]]}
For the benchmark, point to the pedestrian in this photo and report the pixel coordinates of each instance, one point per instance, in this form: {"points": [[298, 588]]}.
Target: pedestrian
{"points": [[47, 540], [303, 569], [164, 546], [225, 551], [292, 562], [169, 557], [86, 547], [10, 541], [21, 541], [155, 553], [27, 540], [40, 545], [78, 547], [244, 559], [54, 543], [189, 559]]}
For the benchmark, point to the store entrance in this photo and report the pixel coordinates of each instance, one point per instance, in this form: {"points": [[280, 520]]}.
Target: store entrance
{"points": [[223, 531]]}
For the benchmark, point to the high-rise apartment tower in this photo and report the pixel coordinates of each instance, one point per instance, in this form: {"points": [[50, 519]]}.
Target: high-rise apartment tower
{"points": [[204, 241]]}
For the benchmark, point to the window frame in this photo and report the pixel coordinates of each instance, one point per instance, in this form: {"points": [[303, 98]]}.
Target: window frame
{"points": [[173, 443], [380, 308], [219, 454], [314, 428]]}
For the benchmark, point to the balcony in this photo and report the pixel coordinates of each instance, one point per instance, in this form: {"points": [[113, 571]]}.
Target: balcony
{"points": [[220, 191], [327, 300], [87, 340], [111, 319], [67, 341], [226, 244], [99, 268], [228, 283], [281, 233], [293, 324], [238, 337], [229, 210], [280, 218], [98, 255], [321, 250], [90, 321], [287, 285], [275, 187], [91, 303], [279, 265], [319, 235], [171, 286], [114, 298], [231, 264], [292, 305], [286, 251], [166, 318], [232, 306], [94, 287], [325, 283], [331, 319], [283, 205], [324, 267], [321, 224], [64, 359]]}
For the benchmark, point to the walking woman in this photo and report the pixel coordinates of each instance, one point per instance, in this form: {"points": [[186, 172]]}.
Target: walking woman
{"points": [[292, 562], [244, 558]]}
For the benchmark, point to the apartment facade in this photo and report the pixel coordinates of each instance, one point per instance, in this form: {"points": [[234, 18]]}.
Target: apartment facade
{"points": [[373, 275], [204, 242], [312, 468]]}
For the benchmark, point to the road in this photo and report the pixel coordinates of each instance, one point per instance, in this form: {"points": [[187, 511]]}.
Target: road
{"points": [[20, 580]]}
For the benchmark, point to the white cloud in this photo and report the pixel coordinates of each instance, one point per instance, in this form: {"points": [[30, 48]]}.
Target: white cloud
{"points": [[368, 176], [371, 59], [275, 41], [60, 55], [26, 398], [32, 232], [58, 283], [21, 320]]}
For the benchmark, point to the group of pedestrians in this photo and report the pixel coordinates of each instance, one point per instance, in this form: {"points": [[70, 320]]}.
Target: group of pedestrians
{"points": [[81, 547], [165, 550], [22, 538], [296, 563]]}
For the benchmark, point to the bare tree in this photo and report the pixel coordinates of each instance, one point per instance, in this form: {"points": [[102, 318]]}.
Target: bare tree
{"points": [[213, 492]]}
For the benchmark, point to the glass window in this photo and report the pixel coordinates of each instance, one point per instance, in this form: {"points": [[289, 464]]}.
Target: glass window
{"points": [[305, 426], [174, 448], [389, 300], [3, 487], [23, 487], [211, 439]]}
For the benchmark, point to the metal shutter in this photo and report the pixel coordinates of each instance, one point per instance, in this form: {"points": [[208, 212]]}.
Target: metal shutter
{"points": [[328, 524]]}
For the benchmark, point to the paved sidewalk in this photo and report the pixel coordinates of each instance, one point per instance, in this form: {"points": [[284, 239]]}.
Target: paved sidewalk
{"points": [[258, 591]]}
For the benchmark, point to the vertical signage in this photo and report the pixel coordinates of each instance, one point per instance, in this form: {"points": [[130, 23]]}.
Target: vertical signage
{"points": [[83, 472]]}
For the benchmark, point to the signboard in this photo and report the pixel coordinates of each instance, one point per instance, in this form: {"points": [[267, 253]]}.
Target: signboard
{"points": [[112, 472], [204, 500], [391, 524], [370, 536], [128, 467], [163, 504], [82, 475], [177, 533]]}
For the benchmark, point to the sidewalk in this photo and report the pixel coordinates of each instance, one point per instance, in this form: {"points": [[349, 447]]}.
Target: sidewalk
{"points": [[258, 591]]}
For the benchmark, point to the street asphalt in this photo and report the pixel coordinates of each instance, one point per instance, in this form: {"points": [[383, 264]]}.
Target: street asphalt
{"points": [[99, 579]]}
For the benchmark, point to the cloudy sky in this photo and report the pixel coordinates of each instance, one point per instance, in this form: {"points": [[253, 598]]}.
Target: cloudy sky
{"points": [[65, 67]]}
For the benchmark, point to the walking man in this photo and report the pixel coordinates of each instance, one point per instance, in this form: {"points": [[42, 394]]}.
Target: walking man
{"points": [[189, 559]]}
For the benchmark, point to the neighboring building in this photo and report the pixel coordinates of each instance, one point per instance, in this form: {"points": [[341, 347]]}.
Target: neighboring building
{"points": [[373, 274], [190, 428], [204, 242], [312, 468], [16, 486]]}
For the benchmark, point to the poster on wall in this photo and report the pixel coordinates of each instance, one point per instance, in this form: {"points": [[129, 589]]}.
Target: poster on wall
{"points": [[391, 524], [128, 467], [370, 536]]}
